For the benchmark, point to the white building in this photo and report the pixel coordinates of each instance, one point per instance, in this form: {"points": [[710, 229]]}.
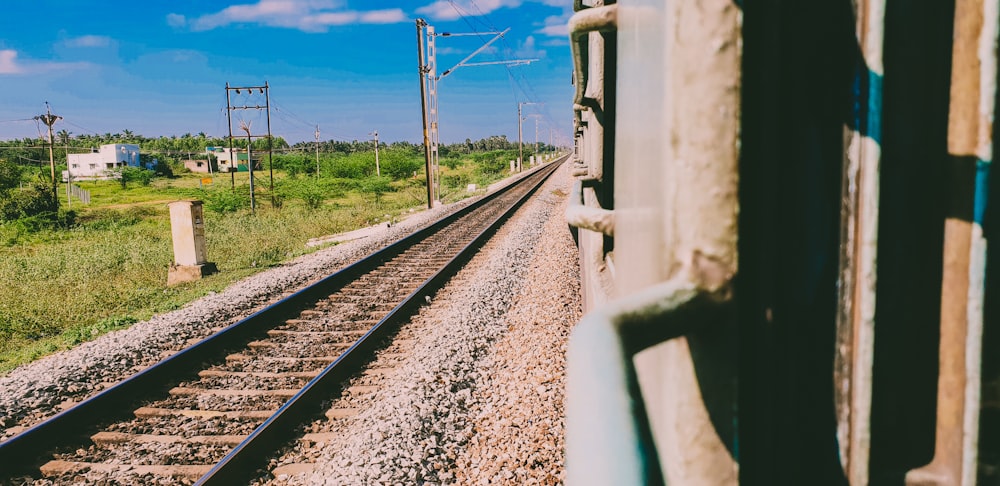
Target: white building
{"points": [[103, 163], [224, 159]]}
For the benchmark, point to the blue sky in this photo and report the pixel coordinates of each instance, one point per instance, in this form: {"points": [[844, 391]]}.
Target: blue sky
{"points": [[159, 67]]}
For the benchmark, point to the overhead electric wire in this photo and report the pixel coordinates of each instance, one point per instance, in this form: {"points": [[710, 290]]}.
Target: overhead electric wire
{"points": [[516, 79], [526, 87], [78, 126], [288, 116]]}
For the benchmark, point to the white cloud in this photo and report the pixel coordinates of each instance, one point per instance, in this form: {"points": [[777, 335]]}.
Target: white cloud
{"points": [[556, 42], [8, 62], [89, 41], [556, 26], [445, 10], [185, 56], [176, 20], [304, 15], [527, 49], [447, 50], [388, 16], [439, 11]]}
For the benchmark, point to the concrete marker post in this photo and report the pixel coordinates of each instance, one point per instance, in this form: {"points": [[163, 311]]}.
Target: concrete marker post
{"points": [[187, 225]]}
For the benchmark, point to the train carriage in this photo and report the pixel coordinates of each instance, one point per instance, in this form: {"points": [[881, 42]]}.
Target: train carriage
{"points": [[782, 219]]}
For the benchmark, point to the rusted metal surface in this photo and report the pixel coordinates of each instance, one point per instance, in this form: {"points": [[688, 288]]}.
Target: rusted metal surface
{"points": [[970, 127], [700, 197], [859, 242]]}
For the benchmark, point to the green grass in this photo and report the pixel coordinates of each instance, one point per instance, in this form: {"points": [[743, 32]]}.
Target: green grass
{"points": [[66, 286]]}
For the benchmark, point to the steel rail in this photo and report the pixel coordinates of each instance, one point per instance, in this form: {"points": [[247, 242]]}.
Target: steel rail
{"points": [[239, 465], [26, 451]]}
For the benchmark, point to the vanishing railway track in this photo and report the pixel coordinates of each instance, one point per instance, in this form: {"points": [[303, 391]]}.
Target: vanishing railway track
{"points": [[215, 412]]}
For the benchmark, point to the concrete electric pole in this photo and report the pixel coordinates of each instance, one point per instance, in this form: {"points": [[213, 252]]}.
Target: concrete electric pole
{"points": [[536, 136], [378, 171], [49, 119], [422, 70], [245, 126], [317, 152], [520, 143]]}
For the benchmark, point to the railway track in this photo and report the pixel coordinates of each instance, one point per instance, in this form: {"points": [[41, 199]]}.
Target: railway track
{"points": [[215, 412]]}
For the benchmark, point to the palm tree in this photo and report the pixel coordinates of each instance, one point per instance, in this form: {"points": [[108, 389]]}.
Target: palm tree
{"points": [[64, 136]]}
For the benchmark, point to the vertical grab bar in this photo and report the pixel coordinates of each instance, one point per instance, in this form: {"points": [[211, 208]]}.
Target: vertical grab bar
{"points": [[608, 440], [859, 251], [970, 146]]}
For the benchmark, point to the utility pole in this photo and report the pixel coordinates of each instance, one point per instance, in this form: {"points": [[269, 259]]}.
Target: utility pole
{"points": [[536, 137], [245, 126], [520, 147], [317, 152], [229, 122], [422, 70], [266, 91], [49, 119], [429, 93], [378, 171], [520, 143], [270, 146]]}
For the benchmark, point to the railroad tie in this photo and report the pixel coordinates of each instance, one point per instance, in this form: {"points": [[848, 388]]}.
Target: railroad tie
{"points": [[59, 468]]}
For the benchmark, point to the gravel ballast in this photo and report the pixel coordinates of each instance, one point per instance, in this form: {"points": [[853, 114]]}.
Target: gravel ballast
{"points": [[480, 400]]}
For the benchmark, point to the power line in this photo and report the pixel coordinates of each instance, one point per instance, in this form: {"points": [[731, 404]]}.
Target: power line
{"points": [[517, 80]]}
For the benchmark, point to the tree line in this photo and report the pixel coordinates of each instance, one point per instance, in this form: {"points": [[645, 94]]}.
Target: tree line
{"points": [[28, 151]]}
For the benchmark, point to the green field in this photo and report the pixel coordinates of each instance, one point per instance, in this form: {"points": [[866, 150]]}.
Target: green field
{"points": [[106, 268]]}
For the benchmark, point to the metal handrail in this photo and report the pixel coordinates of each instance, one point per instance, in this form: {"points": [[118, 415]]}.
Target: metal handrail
{"points": [[579, 215], [609, 431]]}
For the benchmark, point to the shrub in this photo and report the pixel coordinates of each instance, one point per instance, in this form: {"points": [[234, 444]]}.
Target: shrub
{"points": [[311, 193], [456, 180], [226, 200], [163, 169], [34, 201], [294, 164], [354, 166], [10, 175], [400, 165], [494, 162], [450, 162], [377, 186], [136, 174]]}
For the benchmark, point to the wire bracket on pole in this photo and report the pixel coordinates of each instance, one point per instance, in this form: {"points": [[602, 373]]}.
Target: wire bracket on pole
{"points": [[429, 81]]}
